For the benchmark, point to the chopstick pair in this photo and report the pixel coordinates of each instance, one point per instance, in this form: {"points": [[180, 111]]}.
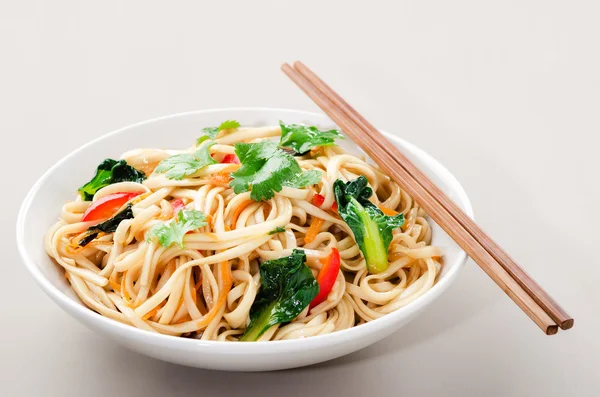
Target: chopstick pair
{"points": [[498, 265]]}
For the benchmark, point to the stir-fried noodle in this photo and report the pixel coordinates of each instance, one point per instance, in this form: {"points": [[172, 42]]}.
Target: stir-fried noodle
{"points": [[204, 285]]}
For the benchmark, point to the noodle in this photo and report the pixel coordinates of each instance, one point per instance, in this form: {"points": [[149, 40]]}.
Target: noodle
{"points": [[206, 288]]}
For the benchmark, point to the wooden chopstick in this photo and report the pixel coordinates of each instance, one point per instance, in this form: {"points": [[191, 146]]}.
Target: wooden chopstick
{"points": [[542, 298], [433, 207]]}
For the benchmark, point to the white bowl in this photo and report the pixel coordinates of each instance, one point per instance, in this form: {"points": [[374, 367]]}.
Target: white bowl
{"points": [[42, 207]]}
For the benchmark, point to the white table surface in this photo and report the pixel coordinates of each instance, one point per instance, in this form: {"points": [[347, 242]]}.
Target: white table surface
{"points": [[505, 94]]}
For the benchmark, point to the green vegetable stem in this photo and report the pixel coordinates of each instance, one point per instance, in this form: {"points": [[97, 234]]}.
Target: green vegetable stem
{"points": [[372, 228]]}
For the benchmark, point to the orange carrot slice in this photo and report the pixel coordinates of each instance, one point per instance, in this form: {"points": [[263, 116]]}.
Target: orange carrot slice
{"points": [[227, 282], [387, 211], [154, 311], [313, 230], [238, 210], [221, 179], [124, 291]]}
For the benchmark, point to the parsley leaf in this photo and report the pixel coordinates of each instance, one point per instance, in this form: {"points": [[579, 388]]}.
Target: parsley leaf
{"points": [[266, 169], [278, 229], [301, 138], [181, 165], [212, 132], [173, 232]]}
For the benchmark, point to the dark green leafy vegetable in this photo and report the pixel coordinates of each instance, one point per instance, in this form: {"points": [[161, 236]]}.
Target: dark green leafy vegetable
{"points": [[266, 169], [372, 228], [212, 132], [108, 226], [301, 138], [181, 165], [173, 232], [287, 287], [277, 230], [108, 172]]}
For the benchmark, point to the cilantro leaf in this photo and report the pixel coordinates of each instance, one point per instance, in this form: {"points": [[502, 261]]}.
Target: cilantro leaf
{"points": [[173, 232], [278, 229], [266, 169], [301, 138], [229, 125], [181, 165], [306, 178], [212, 132], [203, 138]]}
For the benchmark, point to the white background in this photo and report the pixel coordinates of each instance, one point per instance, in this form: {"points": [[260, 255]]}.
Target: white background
{"points": [[504, 93]]}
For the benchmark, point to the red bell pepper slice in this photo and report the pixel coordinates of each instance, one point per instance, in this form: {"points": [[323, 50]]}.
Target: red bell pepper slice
{"points": [[107, 206], [327, 276], [318, 200], [230, 159], [177, 205]]}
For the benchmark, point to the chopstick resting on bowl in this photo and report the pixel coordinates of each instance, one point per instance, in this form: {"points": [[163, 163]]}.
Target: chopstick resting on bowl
{"points": [[498, 265]]}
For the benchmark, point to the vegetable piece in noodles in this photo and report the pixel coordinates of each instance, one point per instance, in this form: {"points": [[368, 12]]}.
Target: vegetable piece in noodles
{"points": [[108, 226], [181, 165], [266, 169], [287, 287], [371, 227], [177, 205], [318, 200], [106, 207], [108, 172], [327, 276], [301, 138], [212, 132], [230, 159], [173, 232]]}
